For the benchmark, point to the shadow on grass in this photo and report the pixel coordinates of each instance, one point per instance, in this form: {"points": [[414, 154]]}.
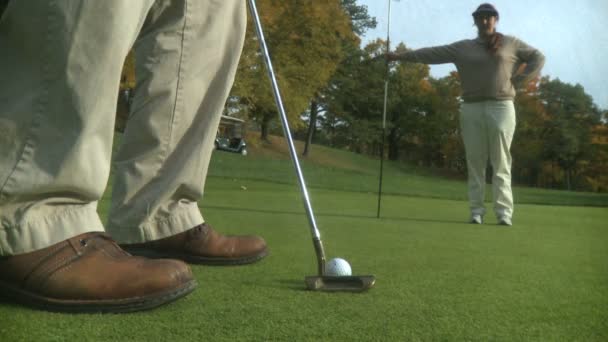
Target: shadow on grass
{"points": [[289, 212]]}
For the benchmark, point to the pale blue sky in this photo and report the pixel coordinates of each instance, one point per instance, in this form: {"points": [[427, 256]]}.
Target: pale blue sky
{"points": [[573, 35]]}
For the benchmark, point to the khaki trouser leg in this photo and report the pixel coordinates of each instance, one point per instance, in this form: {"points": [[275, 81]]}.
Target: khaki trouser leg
{"points": [[487, 130], [474, 136], [501, 127], [186, 58], [60, 66]]}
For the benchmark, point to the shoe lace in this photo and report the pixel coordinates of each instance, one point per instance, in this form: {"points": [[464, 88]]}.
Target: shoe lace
{"points": [[93, 236], [202, 228]]}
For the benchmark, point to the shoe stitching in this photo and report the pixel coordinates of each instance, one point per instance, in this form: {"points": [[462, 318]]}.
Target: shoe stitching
{"points": [[51, 269], [49, 274], [44, 266], [65, 267]]}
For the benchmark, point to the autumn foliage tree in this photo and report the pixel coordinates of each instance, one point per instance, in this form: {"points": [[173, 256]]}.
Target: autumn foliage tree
{"points": [[326, 77], [568, 135], [304, 39], [560, 141], [360, 22]]}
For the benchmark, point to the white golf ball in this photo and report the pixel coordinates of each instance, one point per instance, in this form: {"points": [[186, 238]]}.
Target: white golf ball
{"points": [[338, 267]]}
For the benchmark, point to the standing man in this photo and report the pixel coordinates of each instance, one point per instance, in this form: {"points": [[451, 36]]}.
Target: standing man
{"points": [[488, 67]]}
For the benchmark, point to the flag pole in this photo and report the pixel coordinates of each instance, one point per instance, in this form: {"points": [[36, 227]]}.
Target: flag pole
{"points": [[388, 49]]}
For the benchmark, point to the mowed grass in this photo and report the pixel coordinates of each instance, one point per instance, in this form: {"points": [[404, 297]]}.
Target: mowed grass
{"points": [[438, 278], [329, 168]]}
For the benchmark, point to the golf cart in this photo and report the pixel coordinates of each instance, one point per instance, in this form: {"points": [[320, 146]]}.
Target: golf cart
{"points": [[230, 135]]}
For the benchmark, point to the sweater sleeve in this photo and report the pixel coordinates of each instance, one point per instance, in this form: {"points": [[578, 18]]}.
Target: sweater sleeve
{"points": [[432, 55], [533, 58]]}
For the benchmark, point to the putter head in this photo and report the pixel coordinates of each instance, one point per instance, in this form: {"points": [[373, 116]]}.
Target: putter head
{"points": [[333, 284]]}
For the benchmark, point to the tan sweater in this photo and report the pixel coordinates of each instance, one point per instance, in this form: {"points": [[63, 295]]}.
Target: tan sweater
{"points": [[484, 76]]}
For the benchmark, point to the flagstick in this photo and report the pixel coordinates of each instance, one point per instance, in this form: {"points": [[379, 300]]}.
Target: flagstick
{"points": [[388, 49]]}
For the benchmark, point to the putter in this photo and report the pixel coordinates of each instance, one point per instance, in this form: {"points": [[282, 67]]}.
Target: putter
{"points": [[320, 282]]}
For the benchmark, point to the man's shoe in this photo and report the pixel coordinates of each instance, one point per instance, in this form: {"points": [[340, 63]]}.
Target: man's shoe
{"points": [[476, 219], [203, 245], [90, 273], [505, 221]]}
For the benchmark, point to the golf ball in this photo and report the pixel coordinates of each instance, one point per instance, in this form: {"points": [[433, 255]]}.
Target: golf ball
{"points": [[338, 267]]}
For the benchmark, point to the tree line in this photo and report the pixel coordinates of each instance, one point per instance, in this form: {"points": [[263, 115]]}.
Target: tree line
{"points": [[333, 89]]}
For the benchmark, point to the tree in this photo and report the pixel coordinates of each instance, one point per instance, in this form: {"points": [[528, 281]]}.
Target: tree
{"points": [[596, 171], [354, 99], [528, 143], [410, 91], [442, 144], [360, 21], [572, 115], [304, 41]]}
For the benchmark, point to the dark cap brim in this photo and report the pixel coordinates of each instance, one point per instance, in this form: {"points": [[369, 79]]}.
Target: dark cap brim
{"points": [[485, 11]]}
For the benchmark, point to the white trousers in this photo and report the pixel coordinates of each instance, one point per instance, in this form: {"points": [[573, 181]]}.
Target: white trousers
{"points": [[487, 130], [60, 66]]}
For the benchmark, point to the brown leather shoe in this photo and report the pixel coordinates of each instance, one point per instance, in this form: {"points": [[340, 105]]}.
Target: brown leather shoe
{"points": [[203, 245], [90, 273]]}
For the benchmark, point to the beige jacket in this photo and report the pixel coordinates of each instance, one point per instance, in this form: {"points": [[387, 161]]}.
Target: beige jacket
{"points": [[484, 76]]}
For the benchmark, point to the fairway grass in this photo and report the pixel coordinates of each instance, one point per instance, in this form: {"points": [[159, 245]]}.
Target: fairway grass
{"points": [[438, 278]]}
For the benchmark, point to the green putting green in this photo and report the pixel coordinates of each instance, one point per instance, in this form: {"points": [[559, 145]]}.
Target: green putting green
{"points": [[438, 278]]}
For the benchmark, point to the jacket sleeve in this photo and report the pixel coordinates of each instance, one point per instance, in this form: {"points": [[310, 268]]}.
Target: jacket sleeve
{"points": [[432, 55], [533, 58]]}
